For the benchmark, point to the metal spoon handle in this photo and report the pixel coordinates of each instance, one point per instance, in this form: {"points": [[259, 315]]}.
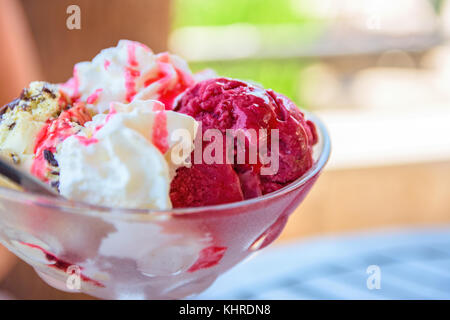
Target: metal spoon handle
{"points": [[24, 179]]}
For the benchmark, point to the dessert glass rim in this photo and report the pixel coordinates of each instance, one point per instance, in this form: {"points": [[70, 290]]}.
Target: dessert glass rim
{"points": [[79, 207]]}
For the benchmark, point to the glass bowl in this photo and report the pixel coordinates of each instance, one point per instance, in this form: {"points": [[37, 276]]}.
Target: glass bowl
{"points": [[113, 253]]}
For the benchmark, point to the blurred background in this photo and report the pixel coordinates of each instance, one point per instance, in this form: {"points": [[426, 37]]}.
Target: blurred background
{"points": [[376, 71]]}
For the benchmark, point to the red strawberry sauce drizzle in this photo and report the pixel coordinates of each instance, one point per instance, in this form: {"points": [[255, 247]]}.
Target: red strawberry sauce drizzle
{"points": [[132, 54], [130, 83], [159, 133], [54, 132], [208, 257], [131, 73], [85, 141], [158, 106], [111, 113], [164, 77], [167, 95], [106, 64], [88, 141], [61, 264], [94, 97]]}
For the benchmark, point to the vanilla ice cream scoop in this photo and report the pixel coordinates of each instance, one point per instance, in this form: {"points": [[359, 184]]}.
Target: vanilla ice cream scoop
{"points": [[23, 118], [124, 158]]}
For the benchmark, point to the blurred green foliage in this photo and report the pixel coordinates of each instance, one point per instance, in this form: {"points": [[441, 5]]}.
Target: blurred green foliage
{"points": [[281, 75], [224, 12]]}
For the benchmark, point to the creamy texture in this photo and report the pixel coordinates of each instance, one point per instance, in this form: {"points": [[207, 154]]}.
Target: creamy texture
{"points": [[128, 72], [223, 104], [55, 131], [123, 159], [104, 136], [24, 118], [120, 133]]}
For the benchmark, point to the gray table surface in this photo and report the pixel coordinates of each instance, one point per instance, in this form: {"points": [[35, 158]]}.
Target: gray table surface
{"points": [[412, 264]]}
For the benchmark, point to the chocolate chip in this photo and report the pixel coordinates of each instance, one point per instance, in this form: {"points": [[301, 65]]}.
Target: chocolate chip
{"points": [[55, 184], [10, 106], [48, 155], [11, 126], [37, 97], [49, 91], [15, 158], [24, 95], [25, 107]]}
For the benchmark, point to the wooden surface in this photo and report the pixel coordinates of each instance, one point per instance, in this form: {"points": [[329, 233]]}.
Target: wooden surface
{"points": [[18, 58], [369, 198], [103, 23]]}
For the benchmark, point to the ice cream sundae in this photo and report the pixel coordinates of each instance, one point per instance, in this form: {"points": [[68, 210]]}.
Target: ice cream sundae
{"points": [[167, 178], [107, 136]]}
